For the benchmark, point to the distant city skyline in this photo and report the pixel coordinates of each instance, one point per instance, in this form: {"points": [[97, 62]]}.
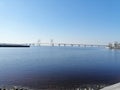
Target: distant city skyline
{"points": [[70, 21]]}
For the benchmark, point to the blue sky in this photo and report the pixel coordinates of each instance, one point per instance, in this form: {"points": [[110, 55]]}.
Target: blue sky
{"points": [[71, 21]]}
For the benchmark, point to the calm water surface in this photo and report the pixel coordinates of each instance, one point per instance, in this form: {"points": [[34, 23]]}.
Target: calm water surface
{"points": [[63, 66]]}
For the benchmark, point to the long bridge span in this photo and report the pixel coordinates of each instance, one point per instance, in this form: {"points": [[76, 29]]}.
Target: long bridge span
{"points": [[66, 44]]}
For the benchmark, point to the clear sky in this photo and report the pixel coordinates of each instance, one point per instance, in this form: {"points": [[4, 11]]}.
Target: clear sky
{"points": [[71, 21]]}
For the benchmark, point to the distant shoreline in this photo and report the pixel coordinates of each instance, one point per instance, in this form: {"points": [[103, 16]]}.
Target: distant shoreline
{"points": [[13, 45]]}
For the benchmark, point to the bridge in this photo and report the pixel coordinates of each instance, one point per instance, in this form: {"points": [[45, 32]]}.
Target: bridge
{"points": [[66, 44], [52, 43]]}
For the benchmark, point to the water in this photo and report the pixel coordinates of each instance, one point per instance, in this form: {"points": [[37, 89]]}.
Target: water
{"points": [[40, 67]]}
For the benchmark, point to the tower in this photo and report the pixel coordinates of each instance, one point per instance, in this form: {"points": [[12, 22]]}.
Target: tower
{"points": [[39, 42], [51, 42]]}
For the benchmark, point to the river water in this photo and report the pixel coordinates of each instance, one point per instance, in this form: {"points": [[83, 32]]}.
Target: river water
{"points": [[39, 67]]}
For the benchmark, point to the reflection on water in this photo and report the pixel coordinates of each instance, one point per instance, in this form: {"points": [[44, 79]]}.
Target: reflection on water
{"points": [[40, 67]]}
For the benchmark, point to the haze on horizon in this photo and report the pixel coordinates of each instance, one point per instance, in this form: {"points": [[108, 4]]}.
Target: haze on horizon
{"points": [[71, 21]]}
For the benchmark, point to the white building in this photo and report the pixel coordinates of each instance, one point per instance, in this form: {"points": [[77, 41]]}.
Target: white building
{"points": [[114, 45]]}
